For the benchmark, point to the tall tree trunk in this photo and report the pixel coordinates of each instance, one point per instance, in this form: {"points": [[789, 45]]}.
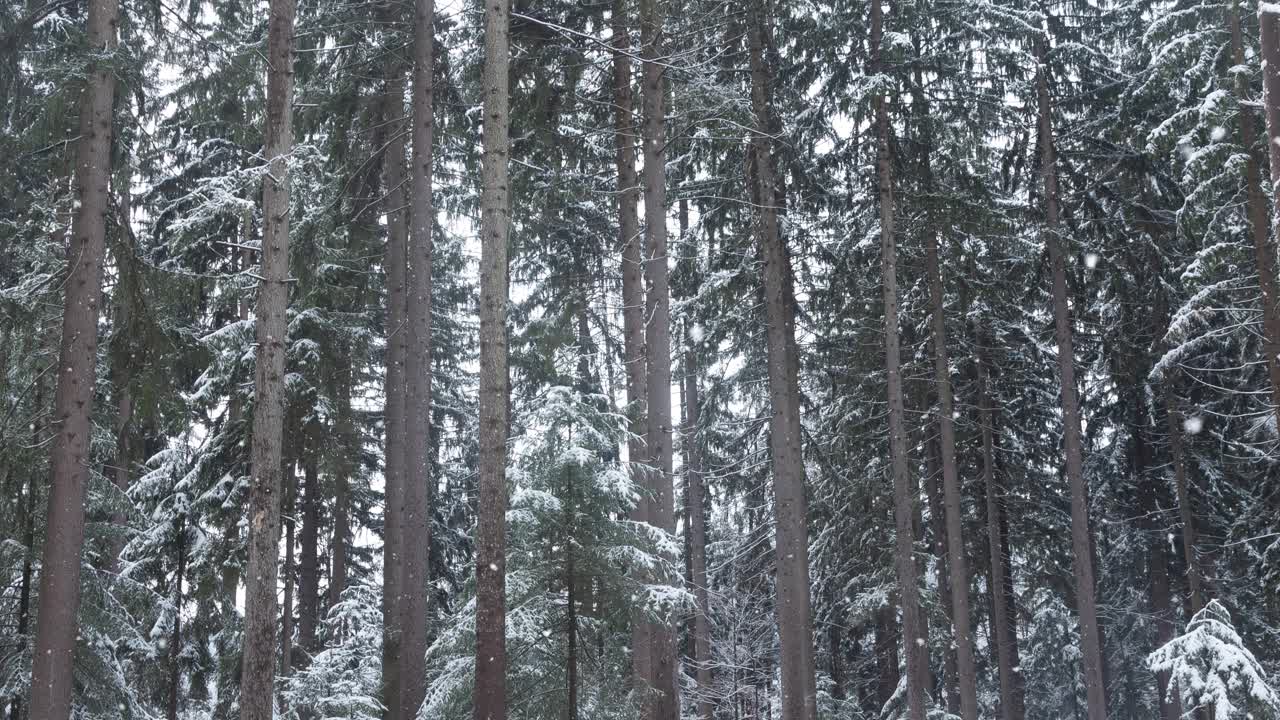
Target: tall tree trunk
{"points": [[57, 621], [792, 605], [938, 527], [309, 551], [957, 555], [1006, 627], [394, 391], [571, 622], [1081, 542], [175, 640], [915, 644], [416, 521], [633, 305], [697, 520], [495, 221], [662, 649], [1259, 222], [1186, 512], [258, 674]]}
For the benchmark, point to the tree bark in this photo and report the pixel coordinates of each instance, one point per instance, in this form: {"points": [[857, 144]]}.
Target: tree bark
{"points": [[938, 527], [1190, 553], [1006, 628], [795, 622], [966, 674], [633, 306], [491, 558], [394, 390], [1081, 542], [697, 523], [258, 674], [57, 621], [1259, 221], [416, 520], [662, 649], [915, 643]]}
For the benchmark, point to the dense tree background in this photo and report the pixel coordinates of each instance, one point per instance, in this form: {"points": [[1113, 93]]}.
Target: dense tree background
{"points": [[1103, 162]]}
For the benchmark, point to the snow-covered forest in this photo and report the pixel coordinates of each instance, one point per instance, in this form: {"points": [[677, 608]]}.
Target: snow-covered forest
{"points": [[639, 359]]}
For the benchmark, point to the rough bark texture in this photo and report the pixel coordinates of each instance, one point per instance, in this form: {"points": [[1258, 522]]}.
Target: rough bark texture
{"points": [[1081, 545], [697, 523], [56, 629], [792, 605], [1259, 217], [339, 549], [913, 633], [491, 551], [258, 673], [662, 648], [633, 303], [1006, 629], [966, 674], [414, 605], [396, 269]]}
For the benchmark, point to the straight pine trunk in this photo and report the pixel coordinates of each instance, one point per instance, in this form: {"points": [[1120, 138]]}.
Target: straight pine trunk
{"points": [[697, 521], [915, 643], [1081, 543], [662, 647], [633, 306], [57, 621], [258, 673], [966, 673], [286, 611], [175, 638], [395, 265], [416, 520], [1259, 216], [490, 701], [792, 605], [1186, 512], [342, 488], [1006, 629]]}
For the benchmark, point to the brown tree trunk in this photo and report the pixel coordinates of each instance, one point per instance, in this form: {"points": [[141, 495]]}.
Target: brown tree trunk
{"points": [[571, 622], [57, 621], [915, 643], [697, 522], [1006, 627], [416, 519], [394, 391], [309, 552], [1190, 553], [491, 545], [258, 673], [633, 305], [792, 605], [966, 674], [938, 527], [1081, 542], [1259, 222], [662, 650]]}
